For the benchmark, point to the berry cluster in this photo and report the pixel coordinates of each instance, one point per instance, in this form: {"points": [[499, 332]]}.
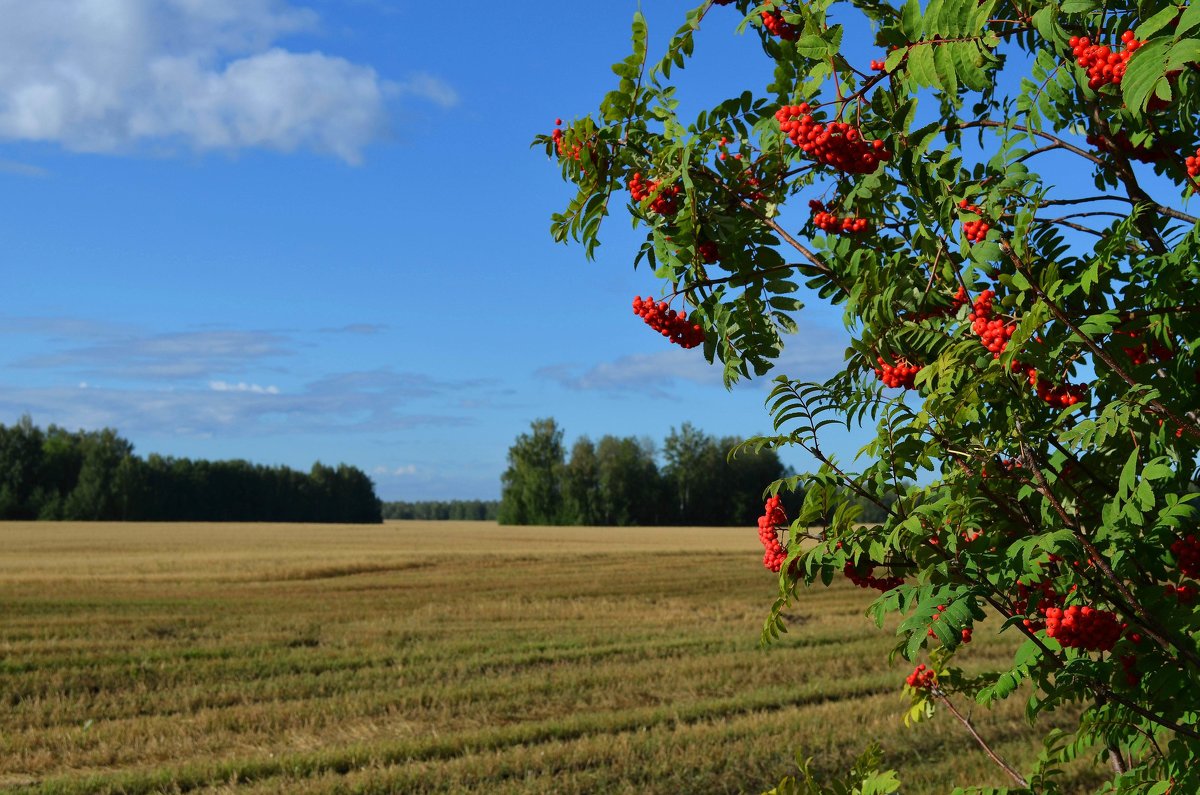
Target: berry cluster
{"points": [[671, 324], [576, 149], [664, 201], [1006, 468], [993, 332], [1129, 669], [974, 230], [1083, 627], [1119, 143], [1102, 64], [921, 678], [708, 252], [772, 518], [1046, 599], [902, 374], [1184, 593], [1193, 164], [1144, 352], [777, 26], [828, 222], [877, 65], [1187, 555], [966, 632], [869, 580], [835, 144], [958, 300], [1061, 395]]}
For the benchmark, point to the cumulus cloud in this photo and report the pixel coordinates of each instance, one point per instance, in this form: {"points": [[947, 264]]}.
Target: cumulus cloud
{"points": [[242, 386], [108, 75], [239, 412], [816, 356], [396, 472], [132, 354], [210, 382]]}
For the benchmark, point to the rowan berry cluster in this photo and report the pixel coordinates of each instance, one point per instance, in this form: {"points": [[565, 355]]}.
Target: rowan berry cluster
{"points": [[671, 324], [1119, 143], [1184, 593], [1083, 627], [902, 374], [573, 152], [1129, 669], [846, 225], [1061, 395], [1187, 555], [1041, 597], [773, 517], [869, 580], [1103, 65], [966, 631], [993, 332], [778, 26], [835, 144], [877, 65], [1007, 466], [1193, 164], [663, 199], [921, 678], [958, 300], [1145, 351], [708, 251], [975, 230]]}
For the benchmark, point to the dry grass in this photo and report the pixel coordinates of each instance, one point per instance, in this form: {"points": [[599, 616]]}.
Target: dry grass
{"points": [[438, 657]]}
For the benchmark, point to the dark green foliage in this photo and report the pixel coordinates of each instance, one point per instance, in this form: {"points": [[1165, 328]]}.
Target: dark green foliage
{"points": [[441, 510], [94, 475], [617, 482]]}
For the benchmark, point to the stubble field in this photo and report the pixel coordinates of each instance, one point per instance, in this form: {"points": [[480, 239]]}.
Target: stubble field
{"points": [[419, 657]]}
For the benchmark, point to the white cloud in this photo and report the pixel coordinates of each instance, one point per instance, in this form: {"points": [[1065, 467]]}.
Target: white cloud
{"points": [[242, 386], [402, 471], [815, 354], [108, 75]]}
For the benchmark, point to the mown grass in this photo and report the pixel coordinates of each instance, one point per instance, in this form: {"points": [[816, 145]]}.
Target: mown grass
{"points": [[442, 657]]}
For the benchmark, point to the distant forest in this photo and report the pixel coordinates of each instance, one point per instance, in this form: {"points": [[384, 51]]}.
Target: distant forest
{"points": [[93, 475], [455, 510], [618, 481]]}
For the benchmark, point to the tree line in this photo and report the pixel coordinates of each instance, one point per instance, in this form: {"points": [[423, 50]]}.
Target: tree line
{"points": [[618, 480], [58, 474], [442, 510]]}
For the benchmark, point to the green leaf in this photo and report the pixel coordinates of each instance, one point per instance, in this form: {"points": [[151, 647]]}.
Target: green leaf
{"points": [[910, 20], [1144, 69], [1181, 54], [814, 47], [1128, 474], [1157, 22], [1190, 19], [921, 67]]}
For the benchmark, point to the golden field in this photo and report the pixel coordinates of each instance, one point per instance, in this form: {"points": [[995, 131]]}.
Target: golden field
{"points": [[443, 657]]}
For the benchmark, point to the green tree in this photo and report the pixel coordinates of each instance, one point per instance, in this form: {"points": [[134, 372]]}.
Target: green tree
{"points": [[693, 473], [96, 495], [20, 461], [995, 202], [531, 487], [581, 484], [630, 487]]}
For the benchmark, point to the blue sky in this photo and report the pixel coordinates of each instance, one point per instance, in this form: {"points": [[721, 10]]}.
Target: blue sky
{"points": [[299, 230]]}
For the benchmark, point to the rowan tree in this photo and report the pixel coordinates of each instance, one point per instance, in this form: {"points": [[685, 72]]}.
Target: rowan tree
{"points": [[998, 202]]}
